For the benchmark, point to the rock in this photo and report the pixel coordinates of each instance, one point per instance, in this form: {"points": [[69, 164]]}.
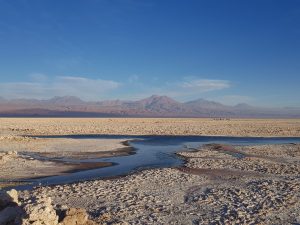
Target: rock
{"points": [[10, 211], [14, 195], [8, 198], [106, 217], [40, 212], [11, 215], [5, 199], [14, 153], [37, 211], [76, 216]]}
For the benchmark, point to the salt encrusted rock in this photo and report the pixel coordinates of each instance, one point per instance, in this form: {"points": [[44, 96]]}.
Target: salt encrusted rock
{"points": [[40, 212], [4, 157], [8, 198], [76, 216], [14, 195], [10, 211], [14, 153], [37, 211]]}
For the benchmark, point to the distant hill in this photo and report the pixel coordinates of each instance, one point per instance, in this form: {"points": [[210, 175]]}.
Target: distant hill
{"points": [[154, 106]]}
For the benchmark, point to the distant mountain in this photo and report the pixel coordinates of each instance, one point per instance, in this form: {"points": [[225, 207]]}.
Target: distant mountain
{"points": [[157, 103], [111, 103], [154, 106], [66, 100]]}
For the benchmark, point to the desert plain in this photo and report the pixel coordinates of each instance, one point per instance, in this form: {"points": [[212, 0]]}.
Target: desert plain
{"points": [[214, 186]]}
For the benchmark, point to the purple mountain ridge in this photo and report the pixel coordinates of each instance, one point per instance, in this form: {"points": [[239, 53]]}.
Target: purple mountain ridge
{"points": [[154, 106]]}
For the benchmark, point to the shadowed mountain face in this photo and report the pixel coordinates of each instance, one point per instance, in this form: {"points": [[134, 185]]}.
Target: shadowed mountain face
{"points": [[160, 104], [154, 106]]}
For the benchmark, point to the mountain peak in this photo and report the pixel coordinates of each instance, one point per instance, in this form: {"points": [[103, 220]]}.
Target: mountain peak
{"points": [[158, 99], [159, 103]]}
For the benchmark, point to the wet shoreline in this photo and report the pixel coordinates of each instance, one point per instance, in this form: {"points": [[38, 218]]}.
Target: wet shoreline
{"points": [[144, 153]]}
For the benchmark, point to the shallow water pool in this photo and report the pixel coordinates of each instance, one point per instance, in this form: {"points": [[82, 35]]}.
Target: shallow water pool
{"points": [[150, 152]]}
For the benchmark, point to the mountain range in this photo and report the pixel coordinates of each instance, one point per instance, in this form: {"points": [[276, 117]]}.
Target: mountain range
{"points": [[154, 106]]}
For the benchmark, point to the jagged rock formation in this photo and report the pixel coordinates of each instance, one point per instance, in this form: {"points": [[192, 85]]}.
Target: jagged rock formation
{"points": [[41, 211], [10, 211], [38, 211]]}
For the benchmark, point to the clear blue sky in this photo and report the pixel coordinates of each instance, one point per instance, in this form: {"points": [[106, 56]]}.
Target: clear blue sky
{"points": [[228, 50]]}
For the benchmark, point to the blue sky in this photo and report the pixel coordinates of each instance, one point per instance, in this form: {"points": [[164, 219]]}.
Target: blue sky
{"points": [[228, 51]]}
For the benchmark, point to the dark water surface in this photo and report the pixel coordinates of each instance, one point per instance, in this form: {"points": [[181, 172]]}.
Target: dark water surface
{"points": [[150, 152]]}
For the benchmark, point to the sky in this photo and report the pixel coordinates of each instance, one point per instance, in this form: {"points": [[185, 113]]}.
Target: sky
{"points": [[230, 51]]}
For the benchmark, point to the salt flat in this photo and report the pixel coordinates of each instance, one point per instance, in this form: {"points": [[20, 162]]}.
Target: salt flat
{"points": [[150, 126], [213, 187], [13, 130]]}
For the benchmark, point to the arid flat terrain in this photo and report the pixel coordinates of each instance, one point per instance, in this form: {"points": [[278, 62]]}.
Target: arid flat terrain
{"points": [[218, 184], [15, 138], [18, 161], [150, 126]]}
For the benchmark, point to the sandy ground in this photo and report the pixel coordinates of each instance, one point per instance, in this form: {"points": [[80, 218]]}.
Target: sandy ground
{"points": [[215, 187], [14, 167], [147, 126], [16, 164], [62, 147], [28, 144]]}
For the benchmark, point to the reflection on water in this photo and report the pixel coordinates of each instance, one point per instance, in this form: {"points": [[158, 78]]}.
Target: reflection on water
{"points": [[151, 152]]}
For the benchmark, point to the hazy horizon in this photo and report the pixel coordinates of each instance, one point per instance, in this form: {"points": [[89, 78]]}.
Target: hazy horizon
{"points": [[133, 100]]}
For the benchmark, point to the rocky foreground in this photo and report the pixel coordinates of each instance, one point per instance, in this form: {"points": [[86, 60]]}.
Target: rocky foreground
{"points": [[38, 211], [219, 185]]}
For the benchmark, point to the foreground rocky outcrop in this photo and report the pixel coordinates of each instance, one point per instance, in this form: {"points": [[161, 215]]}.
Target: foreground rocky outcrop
{"points": [[10, 211], [38, 211]]}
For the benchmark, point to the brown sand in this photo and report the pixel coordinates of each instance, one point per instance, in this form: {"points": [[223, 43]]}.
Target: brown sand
{"points": [[148, 126]]}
